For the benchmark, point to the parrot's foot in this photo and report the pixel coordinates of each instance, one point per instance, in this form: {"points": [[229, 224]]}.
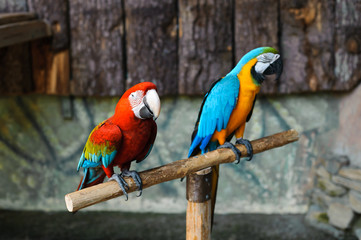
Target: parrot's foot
{"points": [[136, 178], [236, 151], [248, 146], [122, 183]]}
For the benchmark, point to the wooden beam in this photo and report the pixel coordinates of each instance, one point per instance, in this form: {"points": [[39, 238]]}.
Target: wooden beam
{"points": [[7, 18], [14, 33], [178, 169]]}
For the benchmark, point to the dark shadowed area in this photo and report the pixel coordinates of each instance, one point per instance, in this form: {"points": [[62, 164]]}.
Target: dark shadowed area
{"points": [[120, 225]]}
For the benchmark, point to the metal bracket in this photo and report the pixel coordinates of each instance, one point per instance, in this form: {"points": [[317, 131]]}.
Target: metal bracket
{"points": [[199, 186]]}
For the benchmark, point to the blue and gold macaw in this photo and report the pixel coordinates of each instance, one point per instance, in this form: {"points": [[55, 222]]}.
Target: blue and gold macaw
{"points": [[229, 103]]}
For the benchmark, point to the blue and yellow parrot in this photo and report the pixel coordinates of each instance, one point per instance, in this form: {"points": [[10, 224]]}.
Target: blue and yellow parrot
{"points": [[229, 103]]}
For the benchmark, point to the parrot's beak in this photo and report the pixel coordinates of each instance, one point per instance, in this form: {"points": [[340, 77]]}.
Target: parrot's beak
{"points": [[151, 105], [274, 71], [278, 67]]}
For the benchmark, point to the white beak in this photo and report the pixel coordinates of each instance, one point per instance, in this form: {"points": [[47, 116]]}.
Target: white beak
{"points": [[152, 102]]}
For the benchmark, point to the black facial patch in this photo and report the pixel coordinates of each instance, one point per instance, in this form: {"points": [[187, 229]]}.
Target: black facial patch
{"points": [[257, 76]]}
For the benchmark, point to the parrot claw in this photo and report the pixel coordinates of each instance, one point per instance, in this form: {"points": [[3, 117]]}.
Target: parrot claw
{"points": [[122, 183], [236, 151], [136, 178], [248, 146]]}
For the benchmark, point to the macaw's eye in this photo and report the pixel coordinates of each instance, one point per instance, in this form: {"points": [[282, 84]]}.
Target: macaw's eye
{"points": [[135, 98]]}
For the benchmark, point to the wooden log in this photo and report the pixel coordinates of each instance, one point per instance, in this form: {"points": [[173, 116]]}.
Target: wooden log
{"points": [[254, 28], [205, 44], [97, 46], [151, 36], [6, 18], [178, 169]]}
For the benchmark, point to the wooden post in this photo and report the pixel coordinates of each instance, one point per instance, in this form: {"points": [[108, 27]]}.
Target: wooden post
{"points": [[199, 222], [178, 169]]}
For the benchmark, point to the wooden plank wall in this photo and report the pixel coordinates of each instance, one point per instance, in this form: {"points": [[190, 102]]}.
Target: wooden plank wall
{"points": [[50, 57], [247, 36], [151, 36], [15, 60], [205, 43], [97, 47], [185, 45]]}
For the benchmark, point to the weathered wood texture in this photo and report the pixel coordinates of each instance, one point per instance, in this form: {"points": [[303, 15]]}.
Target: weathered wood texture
{"points": [[151, 36], [7, 18], [15, 70], [50, 57], [15, 64], [255, 28], [15, 33], [205, 43], [348, 44], [12, 6], [319, 41], [199, 206], [307, 37], [56, 13], [177, 169], [51, 70], [97, 31], [198, 220]]}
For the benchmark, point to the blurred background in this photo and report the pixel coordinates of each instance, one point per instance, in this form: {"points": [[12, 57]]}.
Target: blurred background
{"points": [[65, 64]]}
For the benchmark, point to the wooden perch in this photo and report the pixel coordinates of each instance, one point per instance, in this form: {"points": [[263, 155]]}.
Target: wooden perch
{"points": [[178, 169]]}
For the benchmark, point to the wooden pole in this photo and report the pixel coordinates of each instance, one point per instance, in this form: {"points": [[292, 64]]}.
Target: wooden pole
{"points": [[178, 169], [199, 207]]}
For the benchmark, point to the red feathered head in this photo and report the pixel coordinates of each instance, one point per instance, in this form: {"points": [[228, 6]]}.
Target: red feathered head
{"points": [[142, 99]]}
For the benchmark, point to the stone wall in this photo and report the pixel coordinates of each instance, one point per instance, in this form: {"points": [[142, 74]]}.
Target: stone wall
{"points": [[336, 199], [41, 139]]}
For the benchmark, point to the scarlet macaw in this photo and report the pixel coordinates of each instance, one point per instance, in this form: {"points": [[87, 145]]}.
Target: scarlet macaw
{"points": [[229, 103], [126, 136]]}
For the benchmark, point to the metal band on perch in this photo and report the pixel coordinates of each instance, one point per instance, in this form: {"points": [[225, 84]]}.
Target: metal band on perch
{"points": [[199, 186], [177, 169]]}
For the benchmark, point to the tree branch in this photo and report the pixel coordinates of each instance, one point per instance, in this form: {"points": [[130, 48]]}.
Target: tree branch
{"points": [[178, 169]]}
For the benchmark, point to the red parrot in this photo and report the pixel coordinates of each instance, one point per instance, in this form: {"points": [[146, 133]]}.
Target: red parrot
{"points": [[126, 136]]}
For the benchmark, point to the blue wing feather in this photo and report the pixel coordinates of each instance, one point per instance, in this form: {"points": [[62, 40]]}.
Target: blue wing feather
{"points": [[217, 108]]}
